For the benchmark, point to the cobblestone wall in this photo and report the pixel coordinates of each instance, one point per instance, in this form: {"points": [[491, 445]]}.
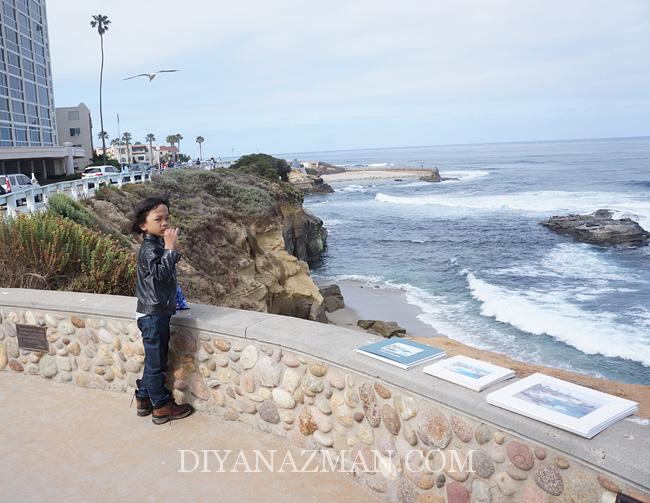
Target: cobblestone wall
{"points": [[401, 446]]}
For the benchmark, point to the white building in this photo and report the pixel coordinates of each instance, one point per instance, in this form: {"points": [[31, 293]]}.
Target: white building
{"points": [[28, 136], [137, 153], [74, 125]]}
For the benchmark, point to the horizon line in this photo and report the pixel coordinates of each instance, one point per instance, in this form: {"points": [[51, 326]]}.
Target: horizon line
{"points": [[465, 144]]}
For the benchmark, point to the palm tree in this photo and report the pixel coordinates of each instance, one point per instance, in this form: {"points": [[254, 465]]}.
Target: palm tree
{"points": [[179, 137], [171, 139], [127, 137], [150, 138], [101, 22], [116, 142], [199, 140]]}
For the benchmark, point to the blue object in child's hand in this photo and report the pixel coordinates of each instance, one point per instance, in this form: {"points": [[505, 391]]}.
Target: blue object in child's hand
{"points": [[181, 303]]}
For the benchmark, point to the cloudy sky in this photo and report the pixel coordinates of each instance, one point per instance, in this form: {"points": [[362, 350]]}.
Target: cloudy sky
{"points": [[291, 76]]}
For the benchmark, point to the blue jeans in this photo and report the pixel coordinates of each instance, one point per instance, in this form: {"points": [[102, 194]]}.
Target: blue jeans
{"points": [[155, 337]]}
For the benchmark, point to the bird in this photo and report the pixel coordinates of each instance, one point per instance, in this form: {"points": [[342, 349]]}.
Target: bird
{"points": [[150, 75]]}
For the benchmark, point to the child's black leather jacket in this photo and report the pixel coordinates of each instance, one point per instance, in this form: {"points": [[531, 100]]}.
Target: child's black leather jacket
{"points": [[156, 288]]}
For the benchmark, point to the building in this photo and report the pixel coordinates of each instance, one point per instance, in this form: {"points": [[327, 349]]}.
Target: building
{"points": [[138, 153], [74, 125], [28, 136]]}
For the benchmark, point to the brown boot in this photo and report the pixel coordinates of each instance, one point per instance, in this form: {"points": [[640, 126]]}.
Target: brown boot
{"points": [[143, 406], [171, 411]]}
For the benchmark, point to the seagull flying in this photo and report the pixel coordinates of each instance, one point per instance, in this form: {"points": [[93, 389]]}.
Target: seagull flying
{"points": [[150, 75]]}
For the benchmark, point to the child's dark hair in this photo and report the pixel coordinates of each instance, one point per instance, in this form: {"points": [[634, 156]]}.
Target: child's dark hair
{"points": [[143, 208]]}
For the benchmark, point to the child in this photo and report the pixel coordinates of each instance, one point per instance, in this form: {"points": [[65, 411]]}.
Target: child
{"points": [[156, 292]]}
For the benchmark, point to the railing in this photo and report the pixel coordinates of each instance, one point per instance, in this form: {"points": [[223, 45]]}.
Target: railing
{"points": [[36, 198]]}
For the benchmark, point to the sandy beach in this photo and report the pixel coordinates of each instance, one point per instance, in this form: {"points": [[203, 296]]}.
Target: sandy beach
{"points": [[375, 174], [364, 302]]}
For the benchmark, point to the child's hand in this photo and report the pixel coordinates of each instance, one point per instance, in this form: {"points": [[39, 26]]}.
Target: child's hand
{"points": [[171, 235]]}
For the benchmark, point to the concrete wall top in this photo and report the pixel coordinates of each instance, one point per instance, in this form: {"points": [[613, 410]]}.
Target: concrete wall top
{"points": [[622, 449]]}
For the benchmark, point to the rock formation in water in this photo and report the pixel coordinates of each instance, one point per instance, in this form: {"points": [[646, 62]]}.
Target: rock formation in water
{"points": [[599, 228]]}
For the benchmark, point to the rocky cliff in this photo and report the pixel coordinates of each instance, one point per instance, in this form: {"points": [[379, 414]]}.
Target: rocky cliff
{"points": [[245, 240]]}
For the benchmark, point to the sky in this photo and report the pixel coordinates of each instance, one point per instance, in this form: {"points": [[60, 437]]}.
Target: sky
{"points": [[296, 76]]}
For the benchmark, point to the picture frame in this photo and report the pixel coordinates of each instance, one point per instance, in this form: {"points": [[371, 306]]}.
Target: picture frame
{"points": [[468, 372], [580, 410]]}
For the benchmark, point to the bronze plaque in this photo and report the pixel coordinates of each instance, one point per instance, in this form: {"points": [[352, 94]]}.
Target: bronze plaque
{"points": [[32, 337]]}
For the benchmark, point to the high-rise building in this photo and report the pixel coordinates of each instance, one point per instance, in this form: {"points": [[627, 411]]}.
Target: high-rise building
{"points": [[28, 137]]}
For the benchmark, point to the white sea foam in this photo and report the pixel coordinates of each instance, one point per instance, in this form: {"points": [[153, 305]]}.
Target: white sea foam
{"points": [[353, 188], [413, 184], [553, 314], [547, 202], [463, 176], [569, 260]]}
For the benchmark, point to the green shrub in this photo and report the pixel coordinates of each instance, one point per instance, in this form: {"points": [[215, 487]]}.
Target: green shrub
{"points": [[50, 252], [263, 165], [62, 205]]}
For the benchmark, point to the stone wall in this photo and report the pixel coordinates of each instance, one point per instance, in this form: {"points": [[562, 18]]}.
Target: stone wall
{"points": [[386, 431]]}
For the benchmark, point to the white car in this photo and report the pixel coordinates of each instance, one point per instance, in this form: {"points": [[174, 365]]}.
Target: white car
{"points": [[93, 171], [12, 183]]}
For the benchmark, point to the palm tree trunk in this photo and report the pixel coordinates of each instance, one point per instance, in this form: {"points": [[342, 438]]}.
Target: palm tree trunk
{"points": [[200, 152], [150, 153], [101, 112]]}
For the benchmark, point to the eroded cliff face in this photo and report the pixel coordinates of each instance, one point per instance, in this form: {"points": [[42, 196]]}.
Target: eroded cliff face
{"points": [[255, 262]]}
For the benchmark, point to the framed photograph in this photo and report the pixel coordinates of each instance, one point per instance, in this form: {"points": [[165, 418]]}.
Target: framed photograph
{"points": [[402, 353], [468, 372], [574, 408]]}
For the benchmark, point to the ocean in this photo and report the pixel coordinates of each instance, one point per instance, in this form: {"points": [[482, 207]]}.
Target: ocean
{"points": [[471, 254]]}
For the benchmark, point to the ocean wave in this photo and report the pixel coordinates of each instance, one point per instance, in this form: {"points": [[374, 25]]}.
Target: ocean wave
{"points": [[463, 176], [569, 260], [546, 202], [552, 314], [353, 188]]}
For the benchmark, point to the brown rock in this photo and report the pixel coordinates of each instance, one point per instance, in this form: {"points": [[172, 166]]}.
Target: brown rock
{"points": [[482, 434], [366, 395], [77, 322], [382, 391], [549, 479], [222, 345], [532, 494], [462, 430], [306, 423], [318, 370], [520, 455], [358, 416], [540, 453], [561, 462], [199, 389], [608, 484], [269, 412], [498, 437], [391, 419], [230, 414], [373, 415], [457, 493], [15, 365], [433, 429]]}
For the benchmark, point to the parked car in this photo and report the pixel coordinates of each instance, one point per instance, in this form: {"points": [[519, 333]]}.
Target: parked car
{"points": [[16, 182], [12, 183], [93, 171]]}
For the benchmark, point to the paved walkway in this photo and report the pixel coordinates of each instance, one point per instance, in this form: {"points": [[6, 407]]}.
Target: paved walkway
{"points": [[60, 442]]}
